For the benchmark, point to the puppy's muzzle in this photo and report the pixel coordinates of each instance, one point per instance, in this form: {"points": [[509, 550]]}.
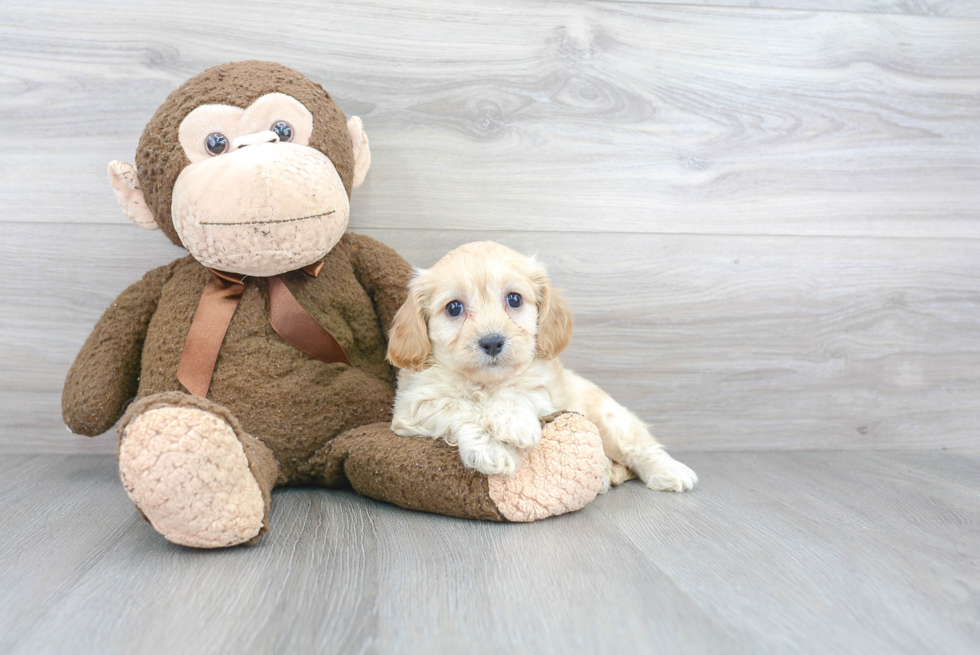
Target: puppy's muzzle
{"points": [[492, 344]]}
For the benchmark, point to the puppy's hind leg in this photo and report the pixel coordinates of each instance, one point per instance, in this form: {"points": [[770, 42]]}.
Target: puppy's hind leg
{"points": [[620, 473], [627, 441], [655, 467]]}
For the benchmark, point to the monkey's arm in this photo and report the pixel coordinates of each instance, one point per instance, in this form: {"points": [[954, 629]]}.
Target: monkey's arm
{"points": [[105, 374], [383, 274]]}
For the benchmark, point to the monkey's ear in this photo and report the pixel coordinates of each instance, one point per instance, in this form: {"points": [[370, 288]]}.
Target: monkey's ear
{"points": [[129, 195], [362, 151]]}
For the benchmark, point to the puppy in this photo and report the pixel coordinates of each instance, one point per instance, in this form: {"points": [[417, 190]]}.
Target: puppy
{"points": [[477, 342]]}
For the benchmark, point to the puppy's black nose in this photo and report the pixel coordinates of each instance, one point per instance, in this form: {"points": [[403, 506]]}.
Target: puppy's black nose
{"points": [[492, 344]]}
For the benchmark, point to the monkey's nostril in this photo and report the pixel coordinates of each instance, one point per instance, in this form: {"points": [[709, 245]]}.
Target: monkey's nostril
{"points": [[492, 344]]}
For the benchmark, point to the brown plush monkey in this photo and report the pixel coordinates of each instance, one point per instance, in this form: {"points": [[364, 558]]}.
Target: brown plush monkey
{"points": [[259, 360]]}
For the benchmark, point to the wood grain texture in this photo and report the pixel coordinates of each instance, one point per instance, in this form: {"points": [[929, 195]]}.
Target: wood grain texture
{"points": [[811, 552], [587, 116], [719, 342], [960, 8], [767, 219]]}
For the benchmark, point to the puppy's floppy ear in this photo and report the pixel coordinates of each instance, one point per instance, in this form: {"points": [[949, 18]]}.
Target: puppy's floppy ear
{"points": [[408, 341], [554, 318]]}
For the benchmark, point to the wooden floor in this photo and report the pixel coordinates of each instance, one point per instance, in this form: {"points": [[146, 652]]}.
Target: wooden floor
{"points": [[806, 552]]}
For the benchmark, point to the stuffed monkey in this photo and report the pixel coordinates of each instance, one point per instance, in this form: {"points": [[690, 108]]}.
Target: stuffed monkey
{"points": [[259, 359]]}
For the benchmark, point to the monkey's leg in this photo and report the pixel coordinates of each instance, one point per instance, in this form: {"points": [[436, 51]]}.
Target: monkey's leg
{"points": [[193, 473], [563, 473]]}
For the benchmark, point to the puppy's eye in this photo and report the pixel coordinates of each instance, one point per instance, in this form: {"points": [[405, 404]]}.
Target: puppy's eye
{"points": [[216, 144], [283, 130], [455, 308], [514, 300]]}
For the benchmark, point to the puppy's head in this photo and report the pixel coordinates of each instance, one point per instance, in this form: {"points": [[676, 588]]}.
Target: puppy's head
{"points": [[483, 310]]}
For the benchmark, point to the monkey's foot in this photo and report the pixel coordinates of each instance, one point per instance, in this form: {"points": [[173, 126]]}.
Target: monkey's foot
{"points": [[189, 473], [561, 474]]}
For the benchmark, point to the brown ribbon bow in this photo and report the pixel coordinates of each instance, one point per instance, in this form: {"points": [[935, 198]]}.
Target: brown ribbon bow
{"points": [[218, 303]]}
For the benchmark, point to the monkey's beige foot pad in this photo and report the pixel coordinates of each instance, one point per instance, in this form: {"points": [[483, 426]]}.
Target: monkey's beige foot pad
{"points": [[562, 474], [187, 471]]}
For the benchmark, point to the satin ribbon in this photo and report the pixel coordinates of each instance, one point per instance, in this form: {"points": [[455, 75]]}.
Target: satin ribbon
{"points": [[218, 303]]}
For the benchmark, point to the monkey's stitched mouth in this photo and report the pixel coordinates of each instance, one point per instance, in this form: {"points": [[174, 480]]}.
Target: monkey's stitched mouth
{"points": [[273, 221]]}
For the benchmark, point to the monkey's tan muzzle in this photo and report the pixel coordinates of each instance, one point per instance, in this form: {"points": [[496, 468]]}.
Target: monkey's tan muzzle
{"points": [[261, 210]]}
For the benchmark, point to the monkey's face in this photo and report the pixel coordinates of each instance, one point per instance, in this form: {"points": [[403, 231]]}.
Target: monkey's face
{"points": [[249, 166], [256, 199]]}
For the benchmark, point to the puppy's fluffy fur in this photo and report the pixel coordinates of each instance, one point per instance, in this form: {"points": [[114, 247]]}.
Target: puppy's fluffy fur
{"points": [[455, 385]]}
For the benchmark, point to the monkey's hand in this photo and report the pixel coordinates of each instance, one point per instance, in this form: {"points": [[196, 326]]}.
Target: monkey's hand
{"points": [[382, 273], [105, 375]]}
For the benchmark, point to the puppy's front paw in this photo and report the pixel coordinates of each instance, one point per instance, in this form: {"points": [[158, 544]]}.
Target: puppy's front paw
{"points": [[517, 430], [670, 475], [490, 457]]}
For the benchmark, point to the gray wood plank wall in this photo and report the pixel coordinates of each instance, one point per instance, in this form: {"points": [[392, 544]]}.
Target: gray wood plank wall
{"points": [[767, 219], [965, 8]]}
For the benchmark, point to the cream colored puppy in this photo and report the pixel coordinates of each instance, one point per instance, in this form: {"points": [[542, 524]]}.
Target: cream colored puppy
{"points": [[477, 342]]}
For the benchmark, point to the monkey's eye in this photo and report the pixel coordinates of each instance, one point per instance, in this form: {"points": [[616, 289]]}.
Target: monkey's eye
{"points": [[455, 308], [514, 300], [216, 144], [283, 130]]}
